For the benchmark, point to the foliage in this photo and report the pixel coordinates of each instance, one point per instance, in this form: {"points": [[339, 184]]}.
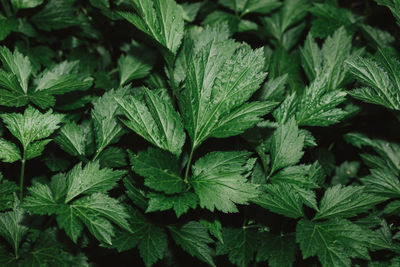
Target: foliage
{"points": [[226, 132]]}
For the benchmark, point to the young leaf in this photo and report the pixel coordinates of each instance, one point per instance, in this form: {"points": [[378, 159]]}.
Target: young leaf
{"points": [[160, 169], [32, 125], [9, 152], [286, 146], [180, 203], [193, 238], [160, 19], [155, 120], [281, 199], [346, 202], [90, 179], [219, 179]]}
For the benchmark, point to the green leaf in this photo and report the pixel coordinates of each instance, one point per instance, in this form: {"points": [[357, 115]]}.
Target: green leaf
{"points": [[32, 125], [239, 244], [56, 15], [382, 182], [160, 19], [113, 157], [63, 78], [11, 227], [41, 200], [136, 195], [151, 239], [180, 203], [334, 241], [68, 220], [18, 65], [216, 89], [104, 114], [90, 179], [7, 190], [7, 25], [155, 120], [131, 67], [286, 146], [219, 179], [11, 92], [380, 77], [71, 138], [160, 169], [35, 149], [346, 201], [193, 238], [9, 152], [280, 251], [215, 229], [21, 4], [281, 199], [260, 6]]}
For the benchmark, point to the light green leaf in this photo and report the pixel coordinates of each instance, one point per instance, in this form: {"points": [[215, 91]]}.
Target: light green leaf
{"points": [[180, 203], [21, 4], [193, 238], [35, 149], [9, 152], [286, 146], [71, 138], [90, 179], [281, 199], [160, 169], [32, 125], [346, 201], [155, 120], [219, 179], [17, 64], [160, 19], [131, 67]]}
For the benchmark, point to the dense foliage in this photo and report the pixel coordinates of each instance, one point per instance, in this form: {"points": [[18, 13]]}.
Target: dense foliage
{"points": [[178, 133]]}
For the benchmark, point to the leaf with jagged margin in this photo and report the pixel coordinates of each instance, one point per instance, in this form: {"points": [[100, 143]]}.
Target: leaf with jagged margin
{"points": [[7, 190], [11, 92], [181, 203], [282, 199], [160, 19], [160, 169], [107, 129], [90, 179], [219, 179], [17, 64], [41, 200], [240, 244], [71, 138], [131, 67], [382, 182], [9, 152], [280, 251], [286, 146], [334, 241], [155, 120], [193, 237], [113, 157], [346, 201], [136, 195]]}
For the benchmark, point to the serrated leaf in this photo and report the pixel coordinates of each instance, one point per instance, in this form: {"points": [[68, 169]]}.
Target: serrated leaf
{"points": [[7, 189], [280, 251], [104, 114], [40, 200], [11, 92], [21, 4], [17, 64], [334, 241], [131, 67], [160, 169], [11, 227], [35, 149], [281, 199], [90, 179], [239, 244], [32, 125], [9, 152], [193, 238], [71, 138], [180, 203], [68, 220], [135, 194], [220, 182], [286, 146], [113, 157], [160, 19], [382, 182], [346, 201], [215, 229], [155, 120]]}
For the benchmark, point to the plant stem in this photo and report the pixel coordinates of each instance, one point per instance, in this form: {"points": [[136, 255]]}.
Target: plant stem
{"points": [[21, 179], [188, 165]]}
